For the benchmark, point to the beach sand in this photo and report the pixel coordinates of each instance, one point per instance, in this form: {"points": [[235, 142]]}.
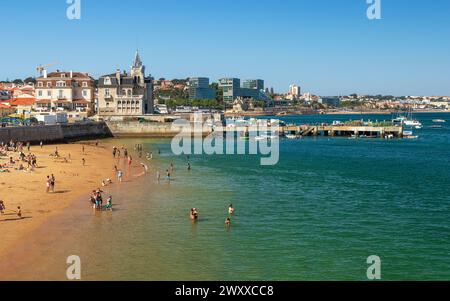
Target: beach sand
{"points": [[74, 182]]}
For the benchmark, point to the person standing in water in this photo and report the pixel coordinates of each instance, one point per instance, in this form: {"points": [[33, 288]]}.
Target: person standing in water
{"points": [[109, 204], [230, 209], [158, 176], [228, 222], [120, 176], [189, 166]]}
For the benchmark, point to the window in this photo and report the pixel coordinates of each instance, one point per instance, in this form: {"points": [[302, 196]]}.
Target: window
{"points": [[129, 92], [40, 84], [107, 93], [85, 84], [49, 84], [61, 84], [49, 93], [85, 93], [40, 93], [61, 94], [63, 75], [107, 81]]}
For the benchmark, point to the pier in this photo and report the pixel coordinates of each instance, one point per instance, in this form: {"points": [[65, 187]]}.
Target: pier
{"points": [[344, 131]]}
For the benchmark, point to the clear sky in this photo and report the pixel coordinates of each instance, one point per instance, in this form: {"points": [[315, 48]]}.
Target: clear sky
{"points": [[328, 47]]}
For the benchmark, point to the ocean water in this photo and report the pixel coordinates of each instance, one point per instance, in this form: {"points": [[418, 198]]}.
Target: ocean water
{"points": [[318, 214]]}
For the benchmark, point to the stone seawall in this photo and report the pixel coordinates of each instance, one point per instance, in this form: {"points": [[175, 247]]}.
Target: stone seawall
{"points": [[55, 133], [148, 129]]}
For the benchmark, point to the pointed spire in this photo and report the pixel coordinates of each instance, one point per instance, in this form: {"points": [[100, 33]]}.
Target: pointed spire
{"points": [[137, 60]]}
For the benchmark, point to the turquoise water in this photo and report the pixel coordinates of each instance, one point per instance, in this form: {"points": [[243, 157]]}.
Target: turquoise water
{"points": [[317, 215]]}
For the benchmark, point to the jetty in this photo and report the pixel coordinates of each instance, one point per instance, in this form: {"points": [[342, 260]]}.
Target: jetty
{"points": [[344, 131]]}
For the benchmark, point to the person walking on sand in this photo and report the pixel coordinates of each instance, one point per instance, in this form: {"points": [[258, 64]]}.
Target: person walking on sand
{"points": [[2, 207], [41, 144], [84, 161], [158, 176], [82, 149], [130, 161], [19, 212], [189, 166], [52, 183], [48, 184]]}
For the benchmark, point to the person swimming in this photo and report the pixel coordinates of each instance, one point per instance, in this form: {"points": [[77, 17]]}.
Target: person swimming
{"points": [[228, 222], [231, 209], [194, 214]]}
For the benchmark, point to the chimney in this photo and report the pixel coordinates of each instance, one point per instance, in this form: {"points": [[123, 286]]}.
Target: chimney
{"points": [[71, 74], [118, 76], [44, 73]]}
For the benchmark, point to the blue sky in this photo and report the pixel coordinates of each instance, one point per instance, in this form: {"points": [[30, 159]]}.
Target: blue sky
{"points": [[328, 47]]}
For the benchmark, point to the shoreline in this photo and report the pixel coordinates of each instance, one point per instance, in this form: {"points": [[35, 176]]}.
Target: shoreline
{"points": [[28, 189]]}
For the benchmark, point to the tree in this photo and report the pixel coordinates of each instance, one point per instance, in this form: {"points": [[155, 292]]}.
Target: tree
{"points": [[30, 80], [18, 81]]}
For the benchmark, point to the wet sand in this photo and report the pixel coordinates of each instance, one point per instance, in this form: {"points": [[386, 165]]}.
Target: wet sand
{"points": [[28, 189]]}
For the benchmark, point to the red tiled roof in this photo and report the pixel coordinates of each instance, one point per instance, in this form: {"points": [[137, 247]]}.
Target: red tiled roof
{"points": [[43, 101], [4, 106], [23, 102], [81, 101]]}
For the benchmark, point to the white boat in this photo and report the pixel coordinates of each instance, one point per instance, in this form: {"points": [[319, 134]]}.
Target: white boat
{"points": [[439, 121], [407, 121], [292, 137], [266, 137]]}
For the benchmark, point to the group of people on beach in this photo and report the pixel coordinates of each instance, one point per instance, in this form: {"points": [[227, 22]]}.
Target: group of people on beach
{"points": [[50, 183], [23, 162], [18, 212], [96, 201]]}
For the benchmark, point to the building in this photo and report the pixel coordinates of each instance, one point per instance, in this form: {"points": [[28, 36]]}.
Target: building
{"points": [[6, 110], [231, 88], [256, 84], [252, 88], [23, 105], [332, 101], [65, 91], [126, 94], [294, 91], [199, 89]]}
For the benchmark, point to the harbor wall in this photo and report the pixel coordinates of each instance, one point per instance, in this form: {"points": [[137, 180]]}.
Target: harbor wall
{"points": [[55, 133], [151, 129]]}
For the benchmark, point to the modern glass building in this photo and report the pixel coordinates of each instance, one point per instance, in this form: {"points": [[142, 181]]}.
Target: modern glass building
{"points": [[199, 88], [231, 88], [257, 84]]}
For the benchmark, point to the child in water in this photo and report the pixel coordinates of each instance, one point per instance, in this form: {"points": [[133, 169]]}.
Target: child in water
{"points": [[109, 204], [228, 222]]}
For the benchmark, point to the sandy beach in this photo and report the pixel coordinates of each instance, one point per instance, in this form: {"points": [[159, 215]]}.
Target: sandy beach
{"points": [[27, 189]]}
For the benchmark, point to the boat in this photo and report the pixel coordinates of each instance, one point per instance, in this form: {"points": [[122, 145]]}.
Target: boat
{"points": [[407, 120], [266, 137], [439, 121], [292, 137]]}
